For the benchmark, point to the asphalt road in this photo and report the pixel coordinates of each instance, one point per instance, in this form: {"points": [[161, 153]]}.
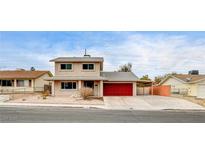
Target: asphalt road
{"points": [[78, 115]]}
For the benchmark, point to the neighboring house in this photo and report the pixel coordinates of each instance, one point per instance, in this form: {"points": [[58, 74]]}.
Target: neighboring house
{"points": [[186, 84], [23, 81], [73, 73]]}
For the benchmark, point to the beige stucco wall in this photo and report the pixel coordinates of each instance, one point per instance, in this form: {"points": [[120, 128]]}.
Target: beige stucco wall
{"points": [[69, 92], [192, 88], [63, 92], [175, 83], [37, 85], [196, 88], [77, 70], [134, 88], [40, 82], [16, 89]]}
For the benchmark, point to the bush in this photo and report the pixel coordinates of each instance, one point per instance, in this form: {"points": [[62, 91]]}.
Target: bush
{"points": [[86, 92], [45, 94]]}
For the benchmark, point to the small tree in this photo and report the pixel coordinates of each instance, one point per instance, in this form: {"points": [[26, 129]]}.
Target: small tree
{"points": [[125, 68], [86, 92], [159, 78], [145, 77], [32, 68]]}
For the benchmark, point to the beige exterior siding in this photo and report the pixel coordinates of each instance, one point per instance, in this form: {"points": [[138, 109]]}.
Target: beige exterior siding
{"points": [[15, 89], [36, 85], [191, 87], [77, 70], [175, 83], [40, 82], [79, 75], [63, 92]]}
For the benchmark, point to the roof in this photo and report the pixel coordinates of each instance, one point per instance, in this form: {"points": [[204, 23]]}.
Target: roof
{"points": [[106, 76], [145, 81], [189, 78], [78, 59], [186, 78], [22, 74], [72, 78], [119, 76]]}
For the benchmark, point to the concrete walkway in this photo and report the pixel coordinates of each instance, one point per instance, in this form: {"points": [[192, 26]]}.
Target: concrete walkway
{"points": [[150, 103]]}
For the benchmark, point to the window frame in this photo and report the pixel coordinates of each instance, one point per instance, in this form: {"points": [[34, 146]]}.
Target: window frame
{"points": [[88, 66], [65, 66], [74, 84], [11, 81], [17, 83]]}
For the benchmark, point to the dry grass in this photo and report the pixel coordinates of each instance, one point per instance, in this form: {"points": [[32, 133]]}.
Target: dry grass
{"points": [[86, 92], [192, 99], [45, 94]]}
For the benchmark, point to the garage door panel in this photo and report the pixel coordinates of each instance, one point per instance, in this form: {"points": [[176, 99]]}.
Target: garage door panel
{"points": [[201, 91], [117, 89]]}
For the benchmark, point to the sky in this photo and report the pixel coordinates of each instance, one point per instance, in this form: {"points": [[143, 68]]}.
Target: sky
{"points": [[152, 53]]}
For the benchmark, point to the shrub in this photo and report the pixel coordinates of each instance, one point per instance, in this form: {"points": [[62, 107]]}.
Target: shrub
{"points": [[45, 94], [86, 92]]}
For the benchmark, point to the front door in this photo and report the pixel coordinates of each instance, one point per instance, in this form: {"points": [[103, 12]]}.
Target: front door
{"points": [[89, 84]]}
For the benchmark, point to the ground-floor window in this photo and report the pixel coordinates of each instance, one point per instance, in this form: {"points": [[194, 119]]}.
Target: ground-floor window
{"points": [[6, 83], [68, 85], [23, 83], [89, 84]]}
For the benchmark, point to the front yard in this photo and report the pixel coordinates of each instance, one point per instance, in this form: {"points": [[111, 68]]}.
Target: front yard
{"points": [[38, 99], [191, 98], [111, 103]]}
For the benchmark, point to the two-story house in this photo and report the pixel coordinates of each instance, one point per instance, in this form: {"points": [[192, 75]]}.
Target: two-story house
{"points": [[73, 73]]}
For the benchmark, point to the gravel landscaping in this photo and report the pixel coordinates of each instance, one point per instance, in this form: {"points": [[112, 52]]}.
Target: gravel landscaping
{"points": [[38, 99]]}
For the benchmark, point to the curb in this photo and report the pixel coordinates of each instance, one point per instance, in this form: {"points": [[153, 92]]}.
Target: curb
{"points": [[5, 104], [49, 105]]}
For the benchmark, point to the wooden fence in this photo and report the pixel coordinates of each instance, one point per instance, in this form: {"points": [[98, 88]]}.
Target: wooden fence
{"points": [[161, 90]]}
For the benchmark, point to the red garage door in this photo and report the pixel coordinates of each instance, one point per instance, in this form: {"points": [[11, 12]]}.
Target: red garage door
{"points": [[117, 89]]}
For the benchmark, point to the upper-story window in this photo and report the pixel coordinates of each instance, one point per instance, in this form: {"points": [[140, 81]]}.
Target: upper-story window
{"points": [[66, 66], [88, 66]]}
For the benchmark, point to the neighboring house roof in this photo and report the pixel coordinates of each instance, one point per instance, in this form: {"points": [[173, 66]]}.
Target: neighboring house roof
{"points": [[72, 78], [186, 78], [78, 59], [119, 76], [21, 74]]}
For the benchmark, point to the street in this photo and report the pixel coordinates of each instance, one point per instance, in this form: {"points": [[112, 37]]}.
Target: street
{"points": [[79, 115]]}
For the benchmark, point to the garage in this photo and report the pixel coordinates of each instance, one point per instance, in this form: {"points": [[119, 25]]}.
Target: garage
{"points": [[201, 91], [118, 89]]}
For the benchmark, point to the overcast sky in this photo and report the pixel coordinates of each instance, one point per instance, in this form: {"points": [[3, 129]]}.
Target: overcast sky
{"points": [[152, 53]]}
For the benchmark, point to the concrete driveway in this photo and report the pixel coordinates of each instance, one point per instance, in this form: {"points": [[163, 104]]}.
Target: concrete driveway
{"points": [[149, 103]]}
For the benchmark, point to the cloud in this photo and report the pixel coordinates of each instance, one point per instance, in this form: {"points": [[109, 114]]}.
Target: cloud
{"points": [[155, 55], [150, 54]]}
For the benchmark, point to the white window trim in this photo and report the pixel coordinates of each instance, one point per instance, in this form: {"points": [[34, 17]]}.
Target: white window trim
{"points": [[88, 70], [66, 70]]}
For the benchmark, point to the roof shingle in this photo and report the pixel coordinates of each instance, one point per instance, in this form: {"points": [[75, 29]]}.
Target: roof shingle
{"points": [[78, 59], [189, 78], [119, 76], [21, 74]]}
